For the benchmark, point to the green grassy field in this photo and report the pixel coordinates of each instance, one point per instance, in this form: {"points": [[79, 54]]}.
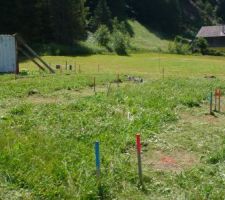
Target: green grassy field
{"points": [[49, 124], [147, 65]]}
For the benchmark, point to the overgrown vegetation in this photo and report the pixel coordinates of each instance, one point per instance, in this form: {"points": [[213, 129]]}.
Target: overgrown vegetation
{"points": [[197, 46]]}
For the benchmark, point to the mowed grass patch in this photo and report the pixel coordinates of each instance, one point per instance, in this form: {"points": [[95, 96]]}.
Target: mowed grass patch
{"points": [[48, 149], [148, 65]]}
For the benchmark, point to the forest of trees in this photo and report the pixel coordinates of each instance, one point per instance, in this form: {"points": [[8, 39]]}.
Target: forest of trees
{"points": [[66, 21]]}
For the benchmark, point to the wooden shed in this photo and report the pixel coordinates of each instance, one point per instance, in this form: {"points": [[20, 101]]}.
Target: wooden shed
{"points": [[10, 45], [215, 35]]}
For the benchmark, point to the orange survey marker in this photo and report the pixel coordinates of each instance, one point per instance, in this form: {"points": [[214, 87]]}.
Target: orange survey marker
{"points": [[218, 93]]}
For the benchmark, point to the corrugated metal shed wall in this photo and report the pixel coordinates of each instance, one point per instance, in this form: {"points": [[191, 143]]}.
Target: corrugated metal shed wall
{"points": [[7, 53]]}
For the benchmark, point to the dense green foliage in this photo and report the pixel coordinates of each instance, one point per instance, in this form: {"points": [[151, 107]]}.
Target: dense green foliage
{"points": [[64, 21], [102, 35]]}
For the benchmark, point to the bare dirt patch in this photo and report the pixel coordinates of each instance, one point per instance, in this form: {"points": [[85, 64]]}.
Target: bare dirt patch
{"points": [[202, 118], [42, 100], [175, 161]]}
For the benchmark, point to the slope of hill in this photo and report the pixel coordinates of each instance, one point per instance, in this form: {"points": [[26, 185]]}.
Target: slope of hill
{"points": [[142, 39], [146, 39]]}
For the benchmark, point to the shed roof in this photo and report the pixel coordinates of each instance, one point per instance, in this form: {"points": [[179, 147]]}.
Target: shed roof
{"points": [[212, 31]]}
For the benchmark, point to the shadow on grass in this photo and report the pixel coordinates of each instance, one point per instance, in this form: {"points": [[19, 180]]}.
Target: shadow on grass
{"points": [[63, 50]]}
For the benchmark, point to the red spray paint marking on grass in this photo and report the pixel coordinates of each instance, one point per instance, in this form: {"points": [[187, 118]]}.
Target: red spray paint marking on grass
{"points": [[168, 160]]}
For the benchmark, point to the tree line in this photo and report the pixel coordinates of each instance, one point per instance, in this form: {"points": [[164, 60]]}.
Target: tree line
{"points": [[66, 21]]}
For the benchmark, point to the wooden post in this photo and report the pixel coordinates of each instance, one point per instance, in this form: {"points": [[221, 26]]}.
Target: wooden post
{"points": [[215, 100], [118, 80], [75, 67], [94, 85], [66, 65], [108, 88], [219, 106]]}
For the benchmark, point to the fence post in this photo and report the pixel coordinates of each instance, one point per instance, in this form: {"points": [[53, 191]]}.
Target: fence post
{"points": [[220, 101], [94, 85]]}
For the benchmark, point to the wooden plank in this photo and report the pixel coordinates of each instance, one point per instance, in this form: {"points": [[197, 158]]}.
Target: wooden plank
{"points": [[32, 59], [34, 53]]}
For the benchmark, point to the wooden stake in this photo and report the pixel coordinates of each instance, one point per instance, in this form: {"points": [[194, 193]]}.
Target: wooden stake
{"points": [[75, 67], [219, 103], [215, 102], [94, 85], [108, 88]]}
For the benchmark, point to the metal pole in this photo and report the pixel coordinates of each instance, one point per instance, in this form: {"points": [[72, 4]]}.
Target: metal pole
{"points": [[138, 143], [97, 158], [211, 103]]}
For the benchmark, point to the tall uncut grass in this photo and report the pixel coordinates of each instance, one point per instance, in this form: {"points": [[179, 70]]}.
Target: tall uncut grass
{"points": [[47, 148]]}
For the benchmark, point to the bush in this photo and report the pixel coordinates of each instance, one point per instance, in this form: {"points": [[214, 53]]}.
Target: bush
{"points": [[180, 46], [200, 45], [120, 43], [119, 26], [102, 35]]}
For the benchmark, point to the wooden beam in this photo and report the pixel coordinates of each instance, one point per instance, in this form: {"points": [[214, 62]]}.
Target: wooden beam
{"points": [[32, 59], [22, 42]]}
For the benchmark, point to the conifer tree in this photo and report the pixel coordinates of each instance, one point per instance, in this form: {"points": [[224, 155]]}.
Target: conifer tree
{"points": [[102, 15]]}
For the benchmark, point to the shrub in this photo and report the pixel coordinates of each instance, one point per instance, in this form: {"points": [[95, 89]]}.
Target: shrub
{"points": [[119, 26], [200, 45], [120, 43], [180, 46], [102, 35]]}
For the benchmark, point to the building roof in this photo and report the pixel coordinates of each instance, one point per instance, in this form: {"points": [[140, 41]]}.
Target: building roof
{"points": [[212, 31]]}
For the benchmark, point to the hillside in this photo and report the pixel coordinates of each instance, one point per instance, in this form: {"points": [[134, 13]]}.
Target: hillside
{"points": [[64, 22], [141, 39], [147, 39]]}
